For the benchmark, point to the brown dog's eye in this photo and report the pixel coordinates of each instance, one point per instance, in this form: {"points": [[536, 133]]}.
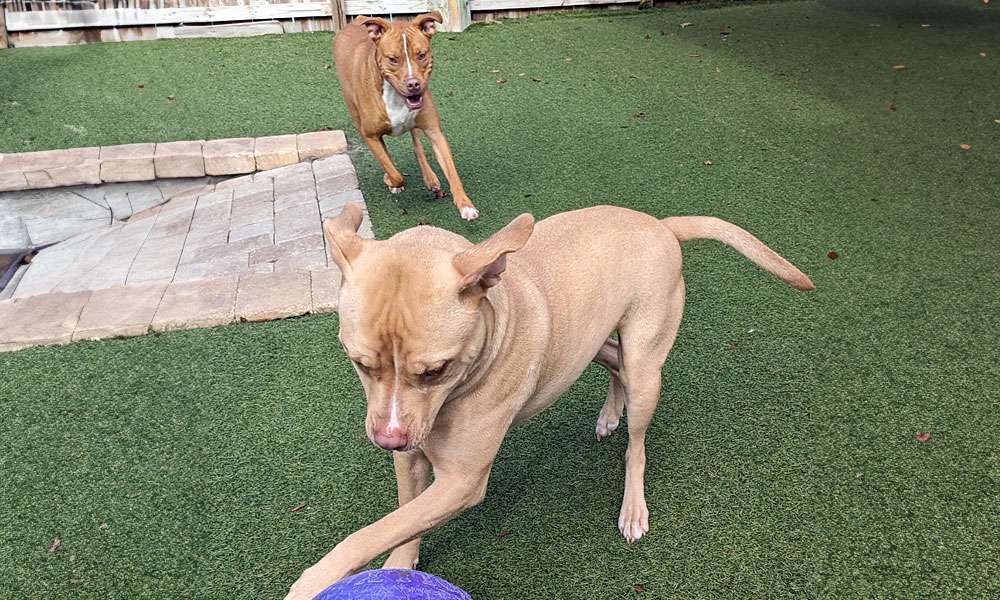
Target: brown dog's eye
{"points": [[422, 56], [430, 375]]}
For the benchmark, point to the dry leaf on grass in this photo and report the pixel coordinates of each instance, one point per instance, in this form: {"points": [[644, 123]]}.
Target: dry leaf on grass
{"points": [[299, 507], [922, 436], [898, 67], [504, 533], [832, 255], [686, 24], [982, 55], [997, 121], [55, 545], [501, 81], [639, 588], [708, 162], [965, 146]]}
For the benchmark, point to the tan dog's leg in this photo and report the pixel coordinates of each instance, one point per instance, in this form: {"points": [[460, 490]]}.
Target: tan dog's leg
{"points": [[645, 347], [440, 502], [610, 417], [430, 178], [393, 179], [443, 154], [413, 475]]}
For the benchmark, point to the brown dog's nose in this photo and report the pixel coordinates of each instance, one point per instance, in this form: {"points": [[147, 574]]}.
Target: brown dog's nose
{"points": [[413, 85], [390, 437]]}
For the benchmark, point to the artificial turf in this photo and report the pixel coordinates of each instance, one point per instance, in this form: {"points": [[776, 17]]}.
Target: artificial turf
{"points": [[782, 461]]}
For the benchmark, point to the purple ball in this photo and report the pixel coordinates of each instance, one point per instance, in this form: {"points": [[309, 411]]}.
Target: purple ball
{"points": [[392, 584]]}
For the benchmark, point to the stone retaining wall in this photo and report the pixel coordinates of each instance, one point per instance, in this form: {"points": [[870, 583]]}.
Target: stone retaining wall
{"points": [[145, 162]]}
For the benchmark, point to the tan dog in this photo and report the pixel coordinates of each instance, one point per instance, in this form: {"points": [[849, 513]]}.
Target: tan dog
{"points": [[455, 343], [383, 69]]}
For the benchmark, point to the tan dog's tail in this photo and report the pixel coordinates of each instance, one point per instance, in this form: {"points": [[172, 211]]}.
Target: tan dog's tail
{"points": [[711, 228]]}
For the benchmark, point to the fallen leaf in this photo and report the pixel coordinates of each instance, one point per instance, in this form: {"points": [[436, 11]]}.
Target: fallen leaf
{"points": [[639, 115], [832, 255], [997, 121], [922, 436], [694, 55], [521, 74], [536, 78], [171, 98], [926, 25], [423, 222], [55, 545], [568, 59], [504, 533], [402, 211], [892, 107], [965, 146], [327, 66], [686, 24], [708, 162], [982, 55], [299, 506], [141, 86], [501, 81], [898, 67], [494, 70], [103, 526], [639, 588]]}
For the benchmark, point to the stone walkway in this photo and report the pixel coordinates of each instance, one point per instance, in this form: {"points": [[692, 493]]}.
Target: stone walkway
{"points": [[249, 248]]}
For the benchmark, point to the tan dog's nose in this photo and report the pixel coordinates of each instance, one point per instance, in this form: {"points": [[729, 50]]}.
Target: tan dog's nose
{"points": [[390, 437], [413, 85]]}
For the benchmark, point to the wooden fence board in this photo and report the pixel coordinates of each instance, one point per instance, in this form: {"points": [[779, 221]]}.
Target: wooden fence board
{"points": [[122, 17], [485, 5]]}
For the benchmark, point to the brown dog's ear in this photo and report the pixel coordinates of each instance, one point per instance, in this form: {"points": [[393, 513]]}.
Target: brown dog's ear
{"points": [[376, 26], [427, 23], [341, 235], [481, 265]]}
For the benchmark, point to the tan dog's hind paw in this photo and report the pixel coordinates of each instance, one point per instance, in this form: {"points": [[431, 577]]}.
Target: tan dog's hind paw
{"points": [[606, 426], [633, 522], [469, 213]]}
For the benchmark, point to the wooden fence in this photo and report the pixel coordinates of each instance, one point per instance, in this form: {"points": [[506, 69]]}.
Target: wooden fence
{"points": [[58, 22]]}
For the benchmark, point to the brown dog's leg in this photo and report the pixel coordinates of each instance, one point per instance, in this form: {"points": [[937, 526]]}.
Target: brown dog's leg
{"points": [[413, 475], [393, 179], [430, 178], [443, 154]]}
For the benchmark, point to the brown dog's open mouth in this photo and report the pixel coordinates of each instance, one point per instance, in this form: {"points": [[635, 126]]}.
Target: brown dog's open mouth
{"points": [[414, 102]]}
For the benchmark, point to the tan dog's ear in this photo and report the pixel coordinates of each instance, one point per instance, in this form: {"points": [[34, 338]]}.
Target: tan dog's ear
{"points": [[376, 26], [426, 22], [342, 236], [481, 265]]}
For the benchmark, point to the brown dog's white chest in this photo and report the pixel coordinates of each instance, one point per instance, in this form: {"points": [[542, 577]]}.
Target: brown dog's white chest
{"points": [[401, 118]]}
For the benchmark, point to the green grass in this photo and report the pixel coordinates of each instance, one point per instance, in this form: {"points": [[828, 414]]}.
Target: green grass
{"points": [[782, 461]]}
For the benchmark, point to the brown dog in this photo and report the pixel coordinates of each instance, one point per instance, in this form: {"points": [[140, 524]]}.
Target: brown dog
{"points": [[454, 343], [383, 69]]}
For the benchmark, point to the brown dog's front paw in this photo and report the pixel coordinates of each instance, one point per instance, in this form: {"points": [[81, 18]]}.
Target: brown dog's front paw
{"points": [[469, 213], [395, 185]]}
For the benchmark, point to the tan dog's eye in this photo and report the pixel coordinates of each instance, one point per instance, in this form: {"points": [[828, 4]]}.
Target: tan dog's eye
{"points": [[393, 60], [422, 56], [361, 367], [431, 375]]}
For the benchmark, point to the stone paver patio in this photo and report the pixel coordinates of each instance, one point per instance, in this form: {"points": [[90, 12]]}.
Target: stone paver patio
{"points": [[203, 253]]}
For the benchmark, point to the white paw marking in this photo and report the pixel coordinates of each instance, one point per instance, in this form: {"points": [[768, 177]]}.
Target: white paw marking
{"points": [[396, 190], [470, 213], [606, 428], [633, 522]]}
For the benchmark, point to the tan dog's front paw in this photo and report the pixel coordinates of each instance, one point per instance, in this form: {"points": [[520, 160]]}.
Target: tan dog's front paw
{"points": [[633, 521], [469, 213], [314, 580], [401, 558]]}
